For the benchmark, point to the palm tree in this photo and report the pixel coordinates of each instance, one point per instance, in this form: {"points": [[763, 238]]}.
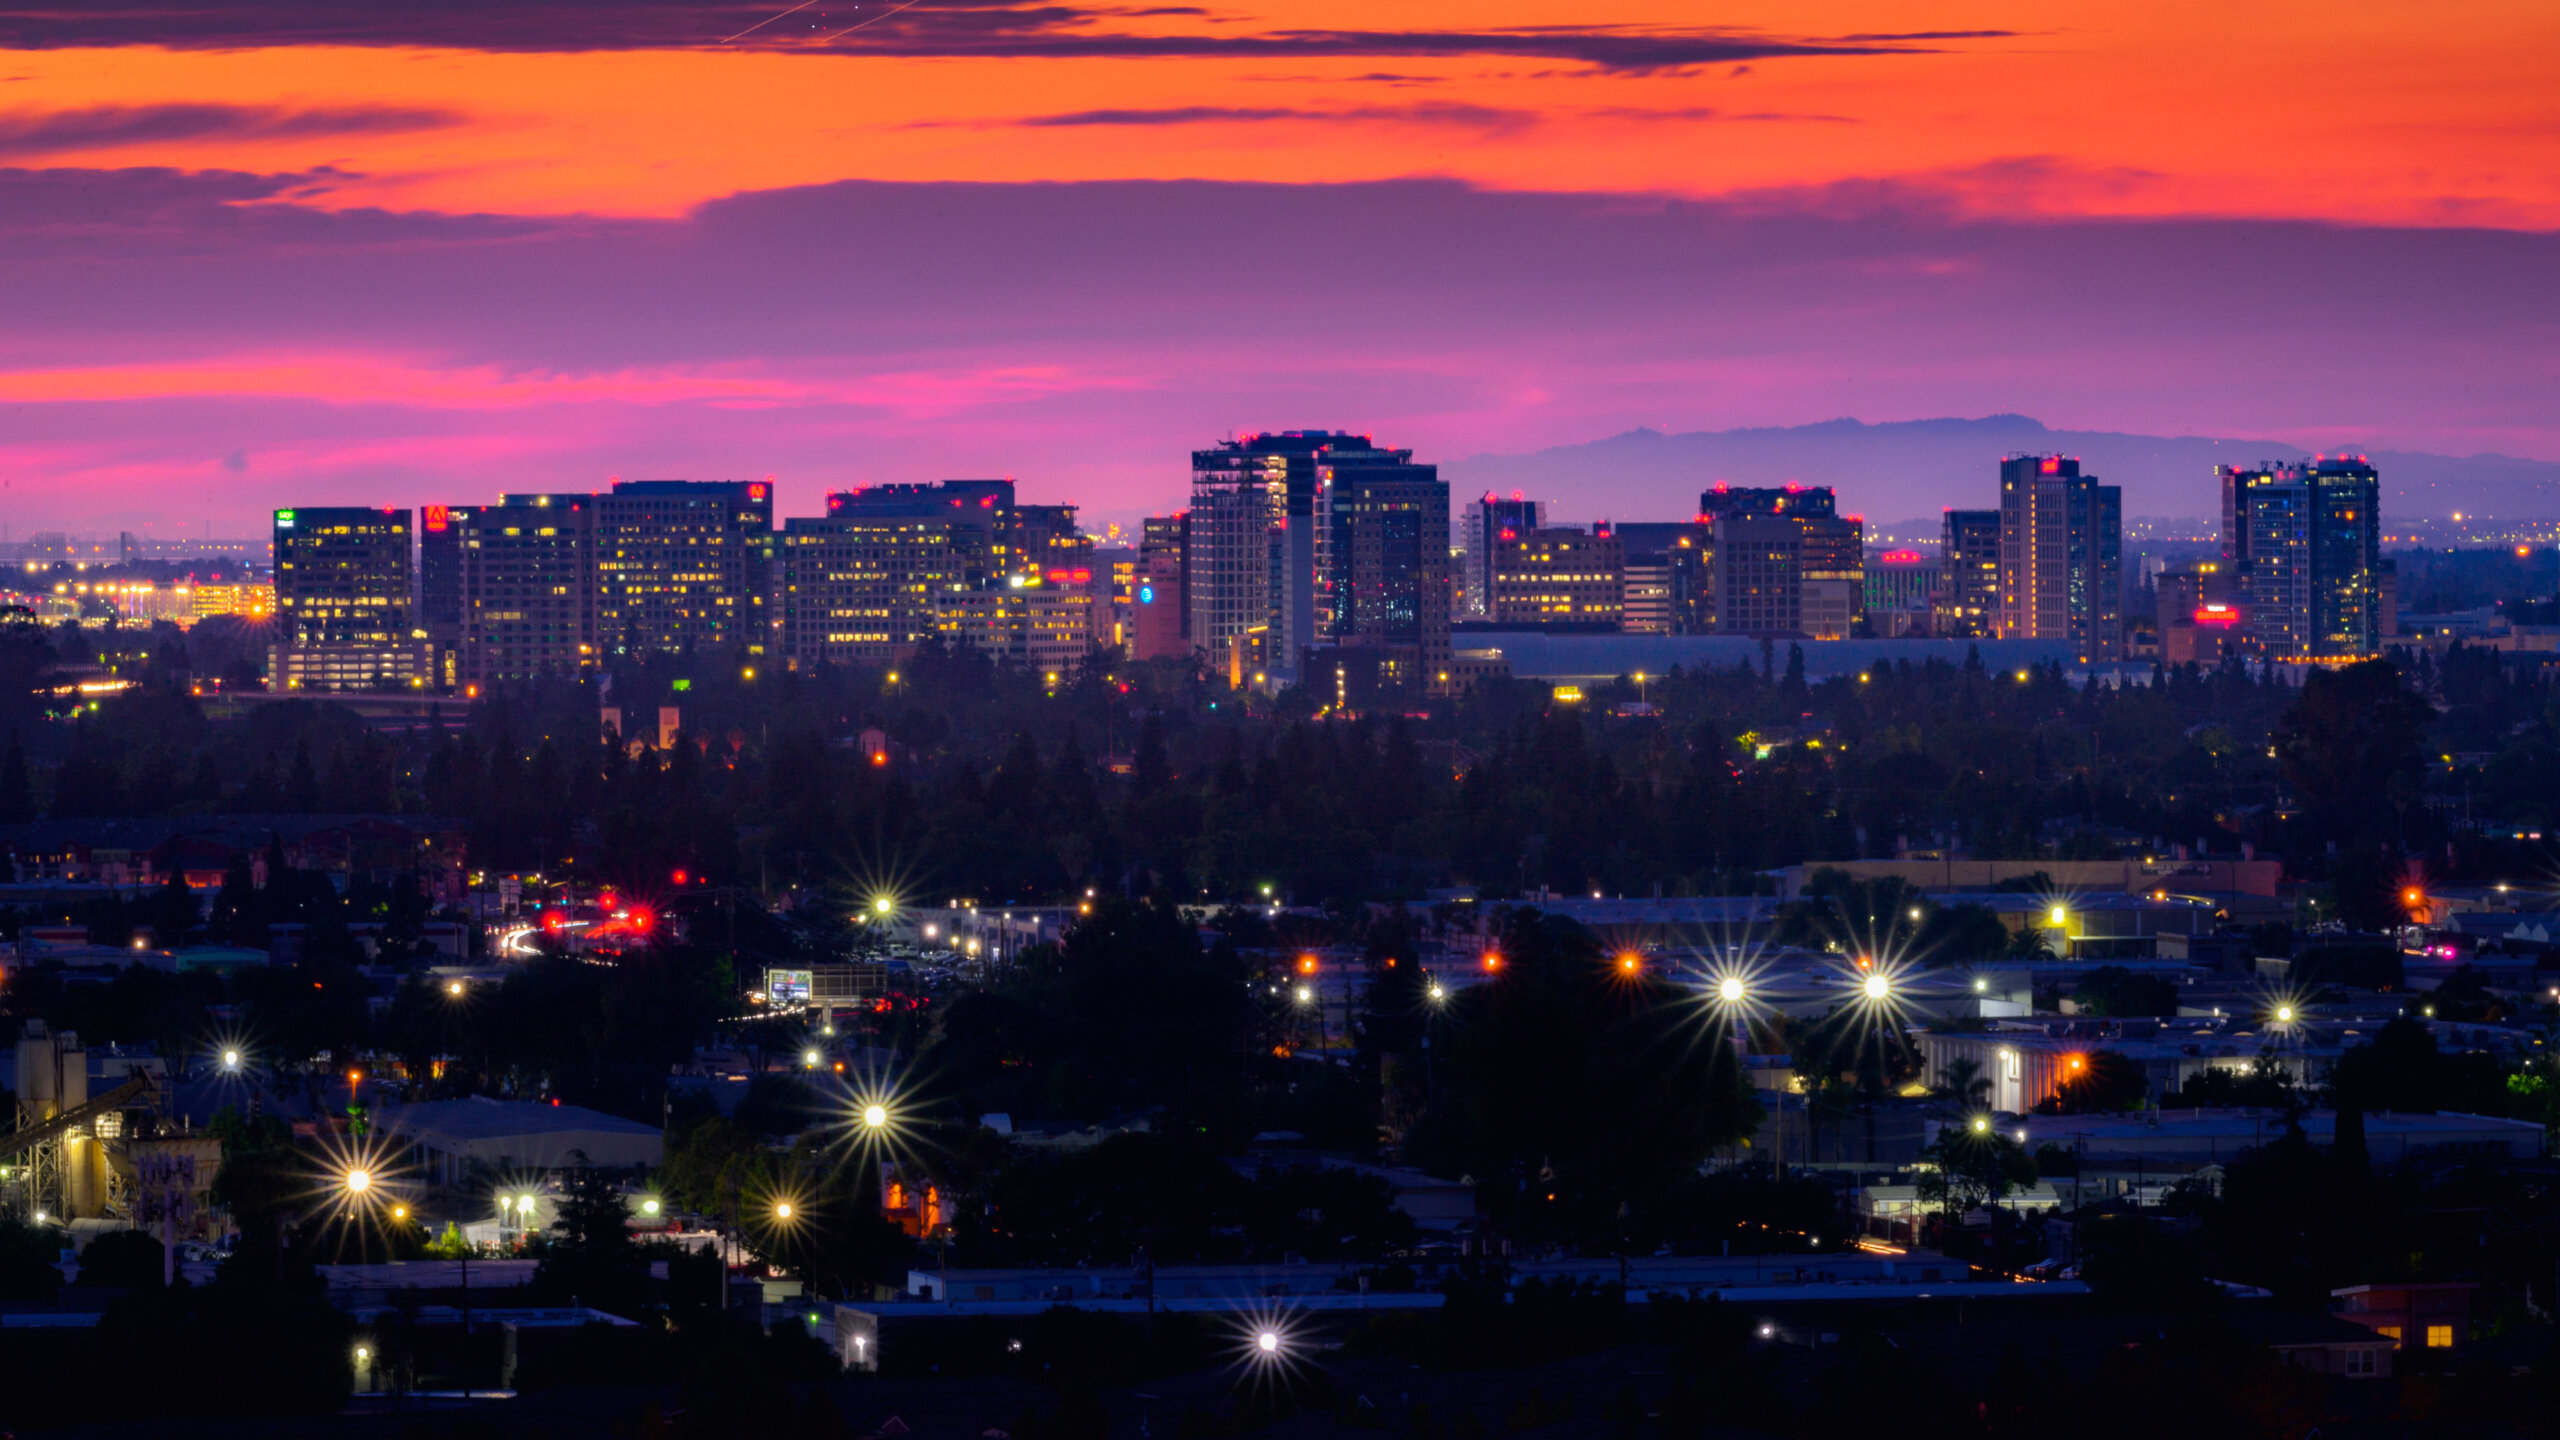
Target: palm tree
{"points": [[1962, 1086]]}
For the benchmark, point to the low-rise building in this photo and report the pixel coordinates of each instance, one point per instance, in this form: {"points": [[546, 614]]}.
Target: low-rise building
{"points": [[451, 1141]]}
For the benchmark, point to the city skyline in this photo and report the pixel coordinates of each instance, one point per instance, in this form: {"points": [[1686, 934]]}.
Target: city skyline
{"points": [[284, 252]]}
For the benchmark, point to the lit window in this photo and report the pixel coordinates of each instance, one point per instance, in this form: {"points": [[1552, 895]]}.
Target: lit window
{"points": [[2439, 1337]]}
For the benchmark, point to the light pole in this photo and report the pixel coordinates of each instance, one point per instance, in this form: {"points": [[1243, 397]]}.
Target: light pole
{"points": [[1438, 997]]}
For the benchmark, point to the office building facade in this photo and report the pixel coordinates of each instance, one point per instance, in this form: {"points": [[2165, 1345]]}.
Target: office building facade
{"points": [[1162, 600], [1259, 553], [863, 589], [2303, 544], [527, 597], [685, 565], [1386, 548], [1786, 561], [1489, 520], [1559, 578], [2061, 557], [346, 602], [1967, 604], [1666, 569], [1901, 590]]}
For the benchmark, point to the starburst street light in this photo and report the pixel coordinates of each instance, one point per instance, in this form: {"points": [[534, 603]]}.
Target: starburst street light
{"points": [[1731, 990], [1267, 1345], [875, 1116], [1877, 987], [358, 1180], [1981, 1124], [231, 1061]]}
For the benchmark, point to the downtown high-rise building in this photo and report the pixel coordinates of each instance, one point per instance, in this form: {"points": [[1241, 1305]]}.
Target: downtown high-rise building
{"points": [[1560, 577], [861, 584], [2061, 557], [2302, 545], [1386, 554], [1967, 602], [346, 602], [527, 597], [684, 565], [890, 566], [1665, 570], [1785, 562], [1489, 521], [1160, 600], [1264, 584]]}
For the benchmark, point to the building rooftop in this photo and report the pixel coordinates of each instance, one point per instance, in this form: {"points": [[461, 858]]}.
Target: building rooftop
{"points": [[480, 1118]]}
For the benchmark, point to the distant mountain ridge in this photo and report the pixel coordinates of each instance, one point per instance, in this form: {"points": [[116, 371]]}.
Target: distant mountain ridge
{"points": [[1910, 467]]}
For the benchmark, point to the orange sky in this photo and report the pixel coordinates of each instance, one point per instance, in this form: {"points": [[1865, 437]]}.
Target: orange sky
{"points": [[2365, 112]]}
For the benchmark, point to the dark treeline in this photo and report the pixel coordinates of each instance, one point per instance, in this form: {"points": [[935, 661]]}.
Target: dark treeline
{"points": [[1141, 777]]}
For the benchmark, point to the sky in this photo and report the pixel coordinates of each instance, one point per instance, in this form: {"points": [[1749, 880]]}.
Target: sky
{"points": [[296, 253]]}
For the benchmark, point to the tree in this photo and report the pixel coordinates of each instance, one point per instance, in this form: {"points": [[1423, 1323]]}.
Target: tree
{"points": [[593, 1259], [172, 911], [2115, 992], [27, 1255], [2351, 734], [123, 1259], [1623, 1102], [2399, 1069], [17, 794], [2102, 1082], [1963, 1085], [1971, 1165]]}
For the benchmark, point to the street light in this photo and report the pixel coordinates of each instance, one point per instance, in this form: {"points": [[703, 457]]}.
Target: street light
{"points": [[782, 1210], [1267, 1342], [650, 1207], [875, 1116], [231, 1061], [1730, 990], [809, 1058], [1981, 1124], [1878, 987], [1436, 993], [2284, 1014], [453, 988], [359, 1180]]}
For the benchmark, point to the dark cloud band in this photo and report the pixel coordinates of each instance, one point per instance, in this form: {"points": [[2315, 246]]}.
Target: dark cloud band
{"points": [[1007, 28], [31, 134]]}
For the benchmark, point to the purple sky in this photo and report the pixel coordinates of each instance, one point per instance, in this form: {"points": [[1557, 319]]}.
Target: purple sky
{"points": [[1082, 337]]}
